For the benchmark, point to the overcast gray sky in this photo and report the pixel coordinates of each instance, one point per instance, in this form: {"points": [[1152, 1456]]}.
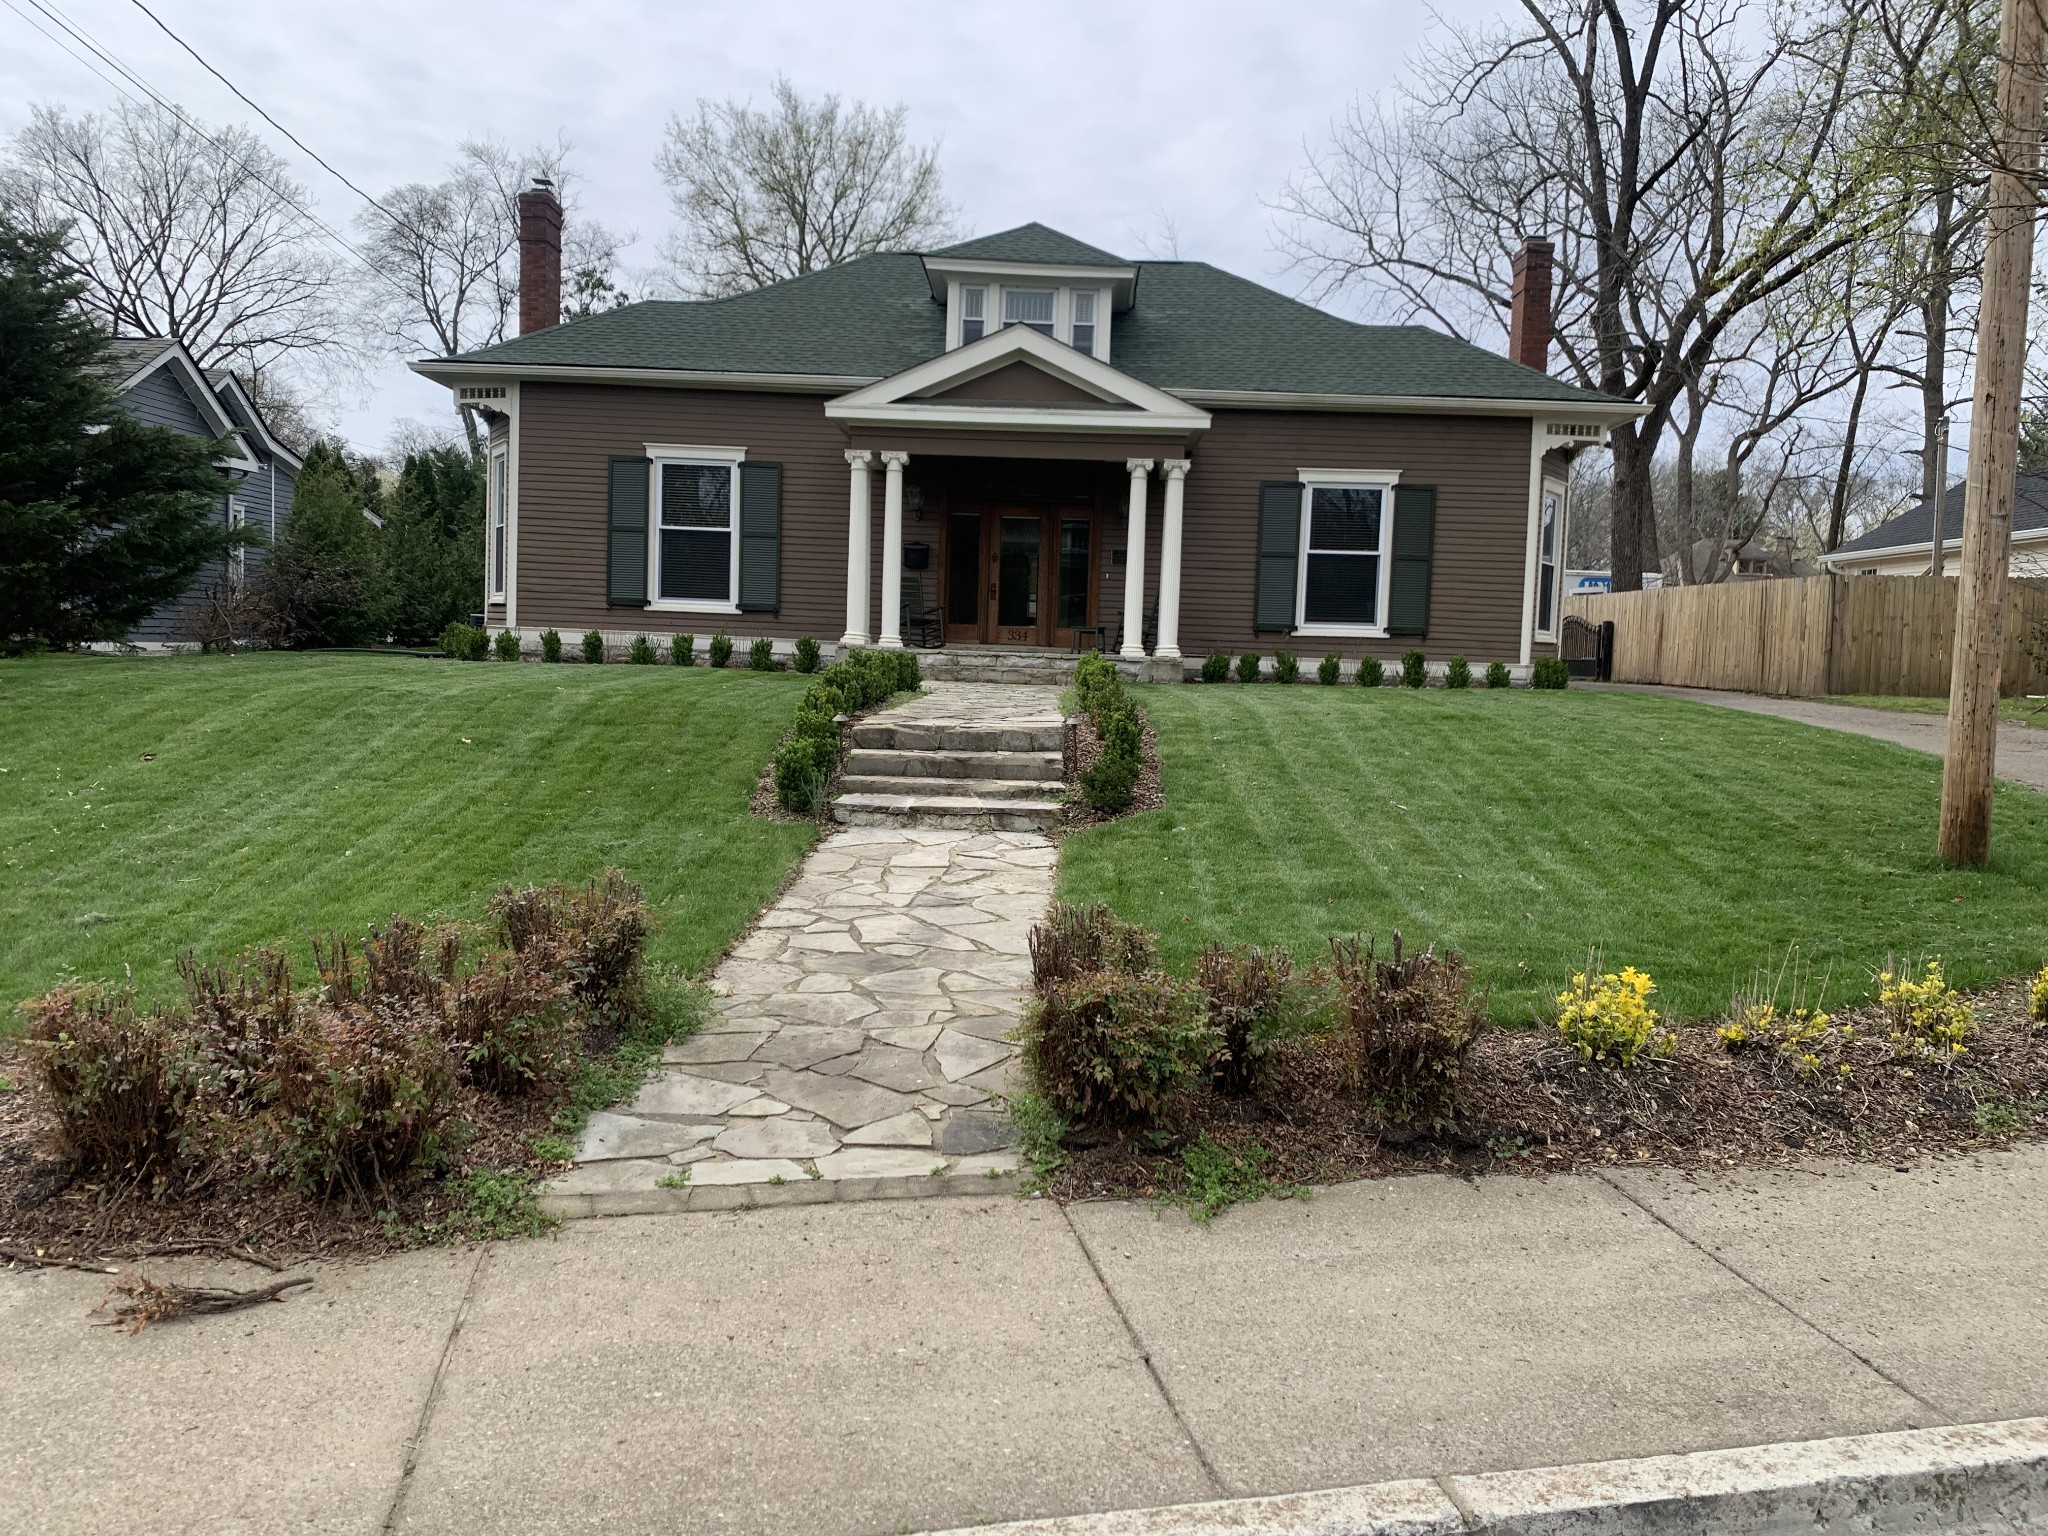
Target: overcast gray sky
{"points": [[1099, 119]]}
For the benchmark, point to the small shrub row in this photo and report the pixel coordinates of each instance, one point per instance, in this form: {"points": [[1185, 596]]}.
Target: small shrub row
{"points": [[1372, 672], [347, 1086], [1112, 782], [804, 762]]}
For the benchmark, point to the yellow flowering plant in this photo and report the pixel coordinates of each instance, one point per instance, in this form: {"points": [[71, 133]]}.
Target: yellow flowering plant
{"points": [[1608, 1017], [2038, 999], [1930, 1020], [1798, 1034]]}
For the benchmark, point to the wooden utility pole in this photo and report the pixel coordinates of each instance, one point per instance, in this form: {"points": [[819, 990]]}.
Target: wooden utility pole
{"points": [[1994, 443]]}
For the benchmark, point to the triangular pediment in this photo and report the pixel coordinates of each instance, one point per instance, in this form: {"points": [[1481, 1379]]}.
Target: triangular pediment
{"points": [[1017, 379]]}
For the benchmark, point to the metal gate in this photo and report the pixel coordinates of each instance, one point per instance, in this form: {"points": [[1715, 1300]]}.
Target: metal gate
{"points": [[1587, 648]]}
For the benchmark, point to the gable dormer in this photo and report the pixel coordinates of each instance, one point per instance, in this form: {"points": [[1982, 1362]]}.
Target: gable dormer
{"points": [[1033, 277]]}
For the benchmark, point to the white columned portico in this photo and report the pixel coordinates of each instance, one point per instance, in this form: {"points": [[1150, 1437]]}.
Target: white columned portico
{"points": [[1168, 646], [892, 551], [859, 513], [1134, 563]]}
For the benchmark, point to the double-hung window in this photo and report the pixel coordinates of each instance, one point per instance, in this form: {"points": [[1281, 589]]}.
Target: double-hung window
{"points": [[1344, 562], [696, 553], [238, 519], [1082, 326], [973, 314], [497, 525], [1546, 559], [1029, 306]]}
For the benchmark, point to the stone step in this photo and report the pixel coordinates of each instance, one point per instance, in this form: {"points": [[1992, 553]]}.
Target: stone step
{"points": [[917, 787], [940, 736], [956, 765], [966, 813]]}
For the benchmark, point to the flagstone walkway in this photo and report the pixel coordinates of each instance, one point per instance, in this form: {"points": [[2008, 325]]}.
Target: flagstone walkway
{"points": [[860, 1041]]}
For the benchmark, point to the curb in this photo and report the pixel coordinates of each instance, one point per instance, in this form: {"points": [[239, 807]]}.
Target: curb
{"points": [[1970, 1478]]}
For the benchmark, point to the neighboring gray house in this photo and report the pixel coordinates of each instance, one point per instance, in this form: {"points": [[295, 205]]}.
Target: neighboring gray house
{"points": [[160, 384], [1904, 545]]}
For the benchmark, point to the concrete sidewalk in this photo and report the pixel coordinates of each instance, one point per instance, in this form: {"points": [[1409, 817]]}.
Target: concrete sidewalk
{"points": [[906, 1365], [2022, 749]]}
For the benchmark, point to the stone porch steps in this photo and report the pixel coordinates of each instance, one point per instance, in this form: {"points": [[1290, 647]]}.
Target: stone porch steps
{"points": [[925, 737], [924, 786], [962, 812], [942, 764]]}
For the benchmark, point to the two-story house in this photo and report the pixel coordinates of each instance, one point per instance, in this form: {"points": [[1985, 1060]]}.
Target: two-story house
{"points": [[1023, 441]]}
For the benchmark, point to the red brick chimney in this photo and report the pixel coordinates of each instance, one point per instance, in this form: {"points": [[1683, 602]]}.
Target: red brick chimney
{"points": [[1529, 306], [540, 257]]}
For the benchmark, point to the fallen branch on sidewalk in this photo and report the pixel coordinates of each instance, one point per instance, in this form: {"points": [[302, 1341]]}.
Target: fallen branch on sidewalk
{"points": [[152, 1301]]}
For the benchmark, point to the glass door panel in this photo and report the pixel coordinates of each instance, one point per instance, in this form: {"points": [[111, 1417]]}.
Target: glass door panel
{"points": [[1017, 576], [1071, 611], [963, 568]]}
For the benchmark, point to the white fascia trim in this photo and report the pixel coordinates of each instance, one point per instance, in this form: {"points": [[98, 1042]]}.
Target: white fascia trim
{"points": [[695, 453], [891, 401], [203, 398], [453, 373], [1435, 405], [144, 370], [271, 445]]}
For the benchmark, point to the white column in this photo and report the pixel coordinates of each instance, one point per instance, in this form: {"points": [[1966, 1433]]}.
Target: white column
{"points": [[1176, 472], [892, 551], [1134, 563], [859, 512]]}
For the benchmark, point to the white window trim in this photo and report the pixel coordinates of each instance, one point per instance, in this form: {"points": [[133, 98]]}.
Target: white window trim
{"points": [[659, 454], [237, 562], [1556, 561], [995, 290], [1381, 480], [498, 486]]}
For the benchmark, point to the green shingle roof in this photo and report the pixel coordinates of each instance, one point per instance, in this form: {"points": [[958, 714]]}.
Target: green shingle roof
{"points": [[1032, 244], [1192, 327]]}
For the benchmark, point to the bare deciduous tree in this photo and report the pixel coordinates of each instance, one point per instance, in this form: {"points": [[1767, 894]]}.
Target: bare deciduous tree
{"points": [[447, 255], [1687, 156], [183, 230], [765, 195]]}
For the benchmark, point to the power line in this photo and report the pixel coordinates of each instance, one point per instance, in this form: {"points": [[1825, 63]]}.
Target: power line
{"points": [[76, 32], [253, 107]]}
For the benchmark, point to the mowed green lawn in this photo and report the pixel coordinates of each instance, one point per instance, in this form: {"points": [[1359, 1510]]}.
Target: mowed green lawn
{"points": [[1695, 842], [294, 793]]}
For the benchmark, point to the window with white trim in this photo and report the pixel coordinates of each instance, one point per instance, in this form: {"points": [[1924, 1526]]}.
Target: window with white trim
{"points": [[1343, 557], [973, 314], [1550, 525], [1029, 306], [1082, 328], [238, 518], [696, 554], [497, 524]]}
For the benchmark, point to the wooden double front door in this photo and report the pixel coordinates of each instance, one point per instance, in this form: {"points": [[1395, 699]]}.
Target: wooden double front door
{"points": [[1019, 575]]}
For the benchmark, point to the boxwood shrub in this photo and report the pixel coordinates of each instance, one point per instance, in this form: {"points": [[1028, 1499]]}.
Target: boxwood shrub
{"points": [[465, 642], [806, 654], [593, 647], [1414, 670], [1372, 673], [1458, 674], [721, 649], [1248, 667], [1550, 672], [551, 645], [858, 681], [641, 652], [761, 655], [1497, 674], [1216, 669], [1328, 670], [682, 650], [507, 645], [1286, 669]]}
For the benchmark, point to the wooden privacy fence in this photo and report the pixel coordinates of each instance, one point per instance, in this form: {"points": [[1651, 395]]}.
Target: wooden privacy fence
{"points": [[1812, 635]]}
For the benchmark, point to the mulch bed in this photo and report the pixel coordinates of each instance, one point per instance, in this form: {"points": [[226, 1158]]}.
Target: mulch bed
{"points": [[1083, 747], [43, 1207], [1530, 1106]]}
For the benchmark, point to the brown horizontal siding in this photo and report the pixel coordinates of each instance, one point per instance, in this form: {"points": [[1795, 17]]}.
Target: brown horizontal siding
{"points": [[569, 432], [1479, 466]]}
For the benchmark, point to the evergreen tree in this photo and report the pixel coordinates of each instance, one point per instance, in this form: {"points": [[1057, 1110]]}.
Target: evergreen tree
{"points": [[433, 544], [323, 585], [101, 519]]}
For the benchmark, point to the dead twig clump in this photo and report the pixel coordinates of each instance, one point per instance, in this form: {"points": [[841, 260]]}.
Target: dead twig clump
{"points": [[155, 1301]]}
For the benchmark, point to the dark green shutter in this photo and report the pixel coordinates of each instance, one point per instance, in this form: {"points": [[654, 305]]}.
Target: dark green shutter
{"points": [[626, 562], [760, 538], [1279, 546], [1414, 552]]}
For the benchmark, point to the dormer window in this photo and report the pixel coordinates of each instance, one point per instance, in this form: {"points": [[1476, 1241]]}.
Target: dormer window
{"points": [[1083, 327], [1029, 306], [973, 314]]}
